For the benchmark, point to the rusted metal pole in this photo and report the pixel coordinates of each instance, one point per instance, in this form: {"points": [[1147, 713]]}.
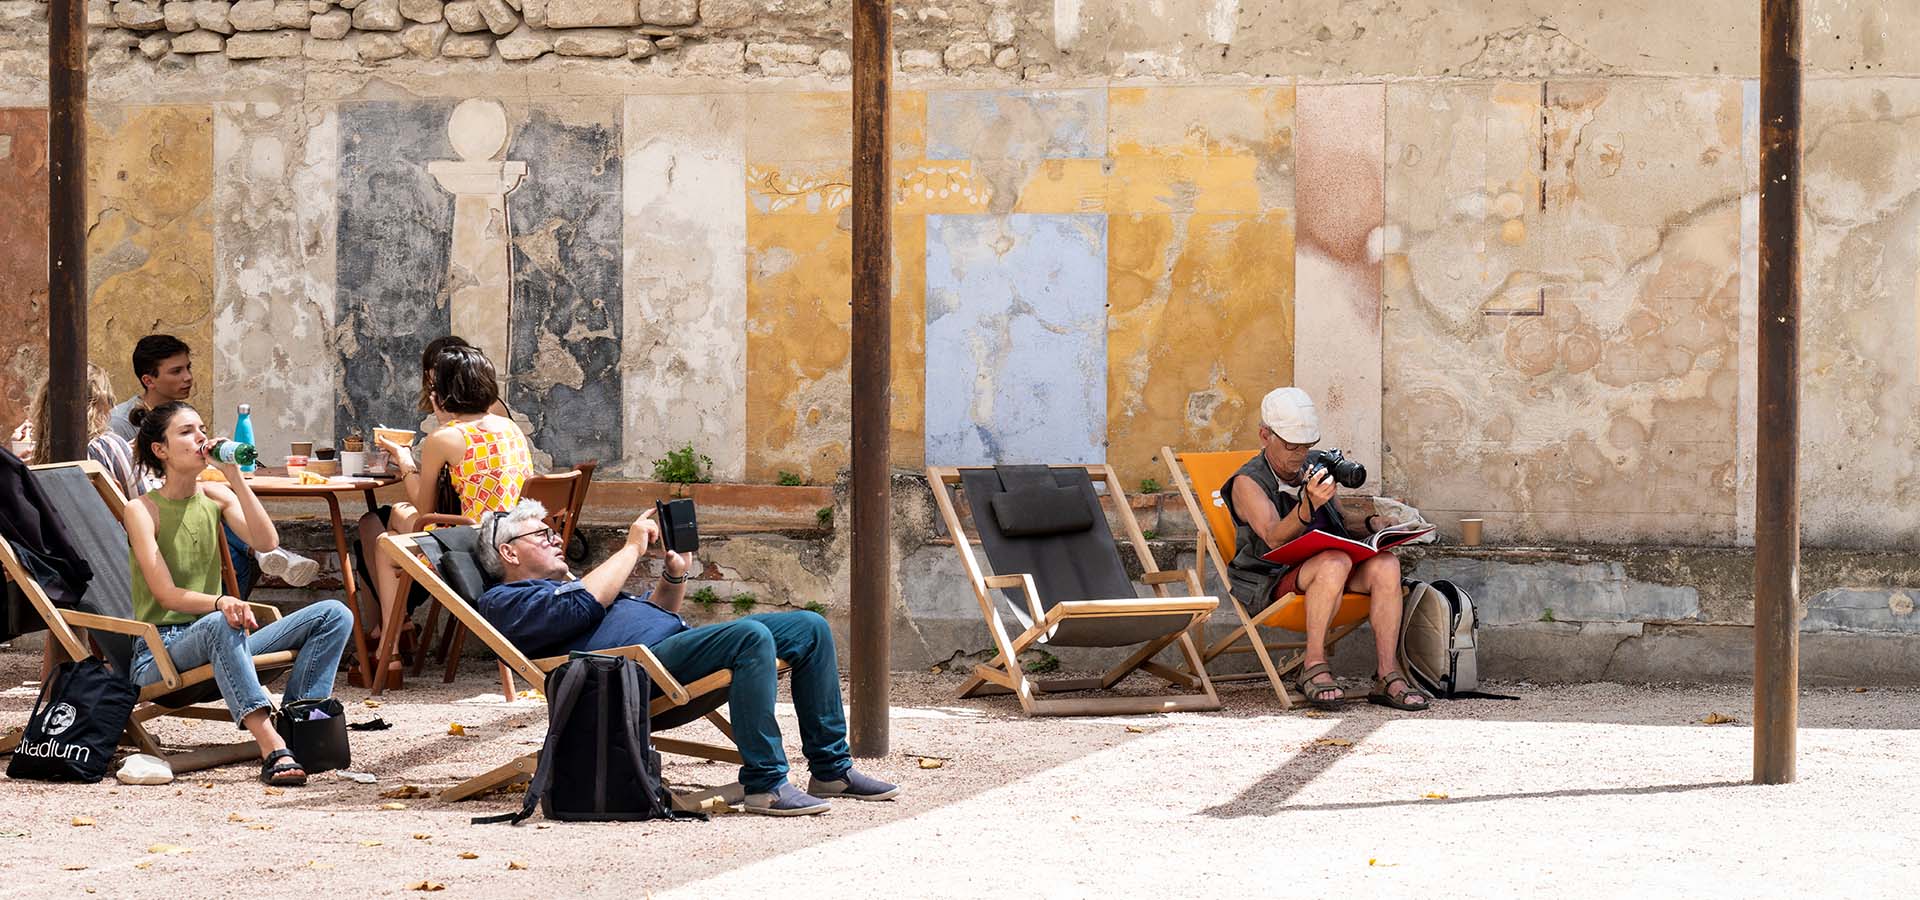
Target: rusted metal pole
{"points": [[67, 233], [1776, 569], [872, 601]]}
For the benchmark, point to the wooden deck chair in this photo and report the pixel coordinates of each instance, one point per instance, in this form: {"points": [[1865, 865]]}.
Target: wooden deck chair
{"points": [[1214, 541], [91, 506], [441, 559], [563, 494], [1054, 558]]}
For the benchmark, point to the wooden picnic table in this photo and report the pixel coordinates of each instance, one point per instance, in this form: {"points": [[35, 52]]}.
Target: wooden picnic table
{"points": [[273, 482]]}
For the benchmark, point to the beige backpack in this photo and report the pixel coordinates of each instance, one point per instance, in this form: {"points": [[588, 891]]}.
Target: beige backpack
{"points": [[1437, 639]]}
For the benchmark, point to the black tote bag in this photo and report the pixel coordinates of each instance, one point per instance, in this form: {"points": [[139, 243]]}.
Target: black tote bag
{"points": [[76, 724]]}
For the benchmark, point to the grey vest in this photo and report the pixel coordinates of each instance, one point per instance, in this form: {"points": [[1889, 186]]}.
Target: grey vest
{"points": [[1253, 579]]}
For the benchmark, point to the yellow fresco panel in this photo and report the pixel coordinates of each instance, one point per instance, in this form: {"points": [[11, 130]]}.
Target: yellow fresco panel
{"points": [[1200, 327], [1063, 186], [909, 353], [1200, 120], [1200, 184], [150, 238], [798, 284]]}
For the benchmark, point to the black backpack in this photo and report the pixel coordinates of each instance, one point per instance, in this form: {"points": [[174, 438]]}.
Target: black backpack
{"points": [[598, 764], [76, 724]]}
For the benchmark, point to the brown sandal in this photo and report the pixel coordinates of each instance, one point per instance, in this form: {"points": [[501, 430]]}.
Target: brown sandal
{"points": [[1383, 693], [1312, 691]]}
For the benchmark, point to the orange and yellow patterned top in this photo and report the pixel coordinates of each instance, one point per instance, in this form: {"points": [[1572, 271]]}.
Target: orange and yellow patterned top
{"points": [[488, 477]]}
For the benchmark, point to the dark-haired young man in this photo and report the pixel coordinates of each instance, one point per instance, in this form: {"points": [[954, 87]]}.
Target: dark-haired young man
{"points": [[164, 365]]}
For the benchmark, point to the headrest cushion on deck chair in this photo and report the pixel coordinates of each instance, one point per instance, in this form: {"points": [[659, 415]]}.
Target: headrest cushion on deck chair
{"points": [[452, 553], [1036, 511]]}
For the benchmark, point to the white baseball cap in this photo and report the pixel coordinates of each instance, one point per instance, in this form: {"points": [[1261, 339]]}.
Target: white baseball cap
{"points": [[1289, 413]]}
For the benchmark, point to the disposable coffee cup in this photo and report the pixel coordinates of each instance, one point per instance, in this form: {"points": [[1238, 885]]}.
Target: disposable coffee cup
{"points": [[1470, 531], [353, 462], [302, 448]]}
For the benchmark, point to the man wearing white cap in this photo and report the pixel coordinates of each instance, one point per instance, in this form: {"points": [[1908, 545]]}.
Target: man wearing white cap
{"points": [[1273, 501]]}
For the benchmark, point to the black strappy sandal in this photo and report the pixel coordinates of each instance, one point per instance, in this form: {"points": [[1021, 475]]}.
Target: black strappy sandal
{"points": [[280, 769], [1312, 691], [1383, 693]]}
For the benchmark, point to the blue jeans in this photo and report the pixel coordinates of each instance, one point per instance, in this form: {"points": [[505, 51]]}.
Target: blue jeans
{"points": [[749, 647], [245, 569], [319, 632]]}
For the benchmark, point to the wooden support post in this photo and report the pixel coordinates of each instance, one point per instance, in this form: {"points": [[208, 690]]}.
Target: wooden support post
{"points": [[871, 597], [1776, 571], [67, 392]]}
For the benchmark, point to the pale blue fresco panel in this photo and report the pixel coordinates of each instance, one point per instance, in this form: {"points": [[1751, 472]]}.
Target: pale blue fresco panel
{"points": [[1016, 339]]}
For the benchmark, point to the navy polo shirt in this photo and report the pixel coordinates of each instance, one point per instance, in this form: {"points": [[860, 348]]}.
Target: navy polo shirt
{"points": [[545, 617]]}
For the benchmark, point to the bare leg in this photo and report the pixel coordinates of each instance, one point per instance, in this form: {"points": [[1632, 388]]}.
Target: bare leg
{"points": [[1321, 579], [385, 575], [1379, 579]]}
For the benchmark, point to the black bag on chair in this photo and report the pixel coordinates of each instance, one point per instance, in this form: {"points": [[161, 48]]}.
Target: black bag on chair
{"points": [[76, 724], [316, 732], [598, 764]]}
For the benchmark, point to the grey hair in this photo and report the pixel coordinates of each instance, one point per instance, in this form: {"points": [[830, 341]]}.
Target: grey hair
{"points": [[496, 528]]}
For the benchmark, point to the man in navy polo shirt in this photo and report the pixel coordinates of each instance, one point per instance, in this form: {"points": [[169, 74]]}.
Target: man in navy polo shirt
{"points": [[544, 610]]}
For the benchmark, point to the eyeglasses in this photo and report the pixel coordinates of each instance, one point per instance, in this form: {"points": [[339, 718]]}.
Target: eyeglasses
{"points": [[1287, 445], [545, 533]]}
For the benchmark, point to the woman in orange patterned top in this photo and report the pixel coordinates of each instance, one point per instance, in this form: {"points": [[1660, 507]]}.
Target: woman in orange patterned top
{"points": [[484, 455]]}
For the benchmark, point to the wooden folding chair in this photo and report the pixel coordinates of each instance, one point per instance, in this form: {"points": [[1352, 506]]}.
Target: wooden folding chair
{"points": [[1069, 588], [1215, 541], [678, 704], [563, 494], [91, 506]]}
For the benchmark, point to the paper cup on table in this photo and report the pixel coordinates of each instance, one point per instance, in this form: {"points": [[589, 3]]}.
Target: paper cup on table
{"points": [[302, 448], [353, 462], [1470, 533]]}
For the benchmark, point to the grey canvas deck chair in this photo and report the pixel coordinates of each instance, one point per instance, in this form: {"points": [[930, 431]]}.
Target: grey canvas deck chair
{"points": [[443, 562], [90, 504], [1055, 562]]}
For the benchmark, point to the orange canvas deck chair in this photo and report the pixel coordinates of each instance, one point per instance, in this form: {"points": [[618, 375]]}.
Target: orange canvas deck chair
{"points": [[434, 560], [1054, 557], [1199, 477], [102, 625]]}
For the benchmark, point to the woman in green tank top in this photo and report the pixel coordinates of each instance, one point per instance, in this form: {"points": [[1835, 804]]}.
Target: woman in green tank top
{"points": [[175, 535]]}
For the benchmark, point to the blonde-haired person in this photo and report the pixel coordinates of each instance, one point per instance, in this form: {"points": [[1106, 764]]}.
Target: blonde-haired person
{"points": [[105, 447], [115, 453]]}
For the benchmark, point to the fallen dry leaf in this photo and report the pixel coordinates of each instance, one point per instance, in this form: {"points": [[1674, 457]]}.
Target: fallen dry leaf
{"points": [[1332, 742], [1433, 796], [260, 826], [393, 806], [206, 784], [422, 836], [457, 729], [371, 843], [82, 821], [929, 763], [274, 792], [1315, 714], [1714, 718], [426, 886], [1859, 690], [169, 849], [144, 864], [515, 865], [1135, 729], [468, 854], [372, 703], [535, 694], [75, 867], [403, 792], [15, 832], [542, 826], [1375, 862], [236, 817], [316, 864]]}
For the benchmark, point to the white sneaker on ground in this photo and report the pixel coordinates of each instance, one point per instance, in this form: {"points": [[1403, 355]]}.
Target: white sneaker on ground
{"points": [[292, 568]]}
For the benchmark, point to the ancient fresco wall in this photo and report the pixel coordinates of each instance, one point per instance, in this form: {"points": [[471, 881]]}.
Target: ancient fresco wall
{"points": [[1510, 247]]}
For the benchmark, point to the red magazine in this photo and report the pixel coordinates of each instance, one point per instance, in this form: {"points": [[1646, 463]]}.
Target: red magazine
{"points": [[1304, 547]]}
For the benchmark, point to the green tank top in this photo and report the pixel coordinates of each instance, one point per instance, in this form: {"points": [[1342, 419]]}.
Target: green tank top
{"points": [[188, 532]]}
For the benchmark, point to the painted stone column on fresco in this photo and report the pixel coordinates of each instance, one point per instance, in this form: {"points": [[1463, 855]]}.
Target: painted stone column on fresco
{"points": [[480, 267]]}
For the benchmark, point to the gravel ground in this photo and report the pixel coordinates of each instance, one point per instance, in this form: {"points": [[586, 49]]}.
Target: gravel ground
{"points": [[1587, 790]]}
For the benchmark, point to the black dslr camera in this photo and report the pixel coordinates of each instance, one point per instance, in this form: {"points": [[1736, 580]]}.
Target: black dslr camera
{"points": [[1345, 472]]}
